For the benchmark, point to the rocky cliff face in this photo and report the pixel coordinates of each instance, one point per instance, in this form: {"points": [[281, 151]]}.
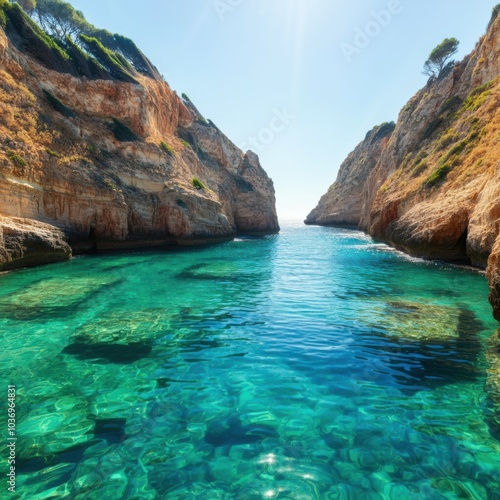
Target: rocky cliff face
{"points": [[109, 164], [431, 187], [348, 200]]}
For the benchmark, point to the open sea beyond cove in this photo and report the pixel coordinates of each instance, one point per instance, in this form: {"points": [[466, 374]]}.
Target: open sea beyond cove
{"points": [[315, 364]]}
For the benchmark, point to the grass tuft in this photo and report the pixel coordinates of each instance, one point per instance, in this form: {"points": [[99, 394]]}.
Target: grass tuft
{"points": [[166, 148], [52, 153], [438, 176], [16, 158], [197, 183]]}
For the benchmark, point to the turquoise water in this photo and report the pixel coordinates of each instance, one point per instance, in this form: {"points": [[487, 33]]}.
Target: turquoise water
{"points": [[314, 364]]}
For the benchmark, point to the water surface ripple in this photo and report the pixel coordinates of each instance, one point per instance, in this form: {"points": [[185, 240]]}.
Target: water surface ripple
{"points": [[315, 364]]}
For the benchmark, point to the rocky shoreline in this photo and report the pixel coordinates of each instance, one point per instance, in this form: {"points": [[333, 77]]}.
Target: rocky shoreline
{"points": [[94, 163], [429, 185]]}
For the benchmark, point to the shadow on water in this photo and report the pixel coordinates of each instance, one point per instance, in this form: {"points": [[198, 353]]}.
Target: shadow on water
{"points": [[408, 363], [102, 353], [109, 430], [206, 272], [229, 431], [417, 365]]}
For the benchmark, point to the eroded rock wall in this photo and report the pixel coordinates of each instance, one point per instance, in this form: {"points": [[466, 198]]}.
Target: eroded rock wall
{"points": [[69, 170], [432, 188]]}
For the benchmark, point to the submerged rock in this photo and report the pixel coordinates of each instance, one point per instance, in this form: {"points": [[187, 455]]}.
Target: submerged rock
{"points": [[111, 430], [122, 354], [211, 271], [411, 320], [122, 327], [54, 297], [428, 345]]}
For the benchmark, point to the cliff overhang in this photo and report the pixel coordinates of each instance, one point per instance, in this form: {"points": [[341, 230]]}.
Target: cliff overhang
{"points": [[109, 160]]}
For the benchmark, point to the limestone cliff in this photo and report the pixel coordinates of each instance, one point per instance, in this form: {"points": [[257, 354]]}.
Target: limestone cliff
{"points": [[349, 199], [108, 161], [431, 187]]}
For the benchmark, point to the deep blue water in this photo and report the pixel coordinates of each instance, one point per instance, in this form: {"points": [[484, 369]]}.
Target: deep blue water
{"points": [[315, 364]]}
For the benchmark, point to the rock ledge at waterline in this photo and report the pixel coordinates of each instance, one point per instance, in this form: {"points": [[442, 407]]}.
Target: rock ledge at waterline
{"points": [[430, 184]]}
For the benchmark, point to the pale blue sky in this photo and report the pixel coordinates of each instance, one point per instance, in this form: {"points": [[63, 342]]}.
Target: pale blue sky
{"points": [[277, 70]]}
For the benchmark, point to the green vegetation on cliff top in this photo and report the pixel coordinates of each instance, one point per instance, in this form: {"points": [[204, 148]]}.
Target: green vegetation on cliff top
{"points": [[382, 131], [439, 61], [62, 39], [494, 14]]}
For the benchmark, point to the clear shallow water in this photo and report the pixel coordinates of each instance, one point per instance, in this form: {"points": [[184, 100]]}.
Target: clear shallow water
{"points": [[310, 365]]}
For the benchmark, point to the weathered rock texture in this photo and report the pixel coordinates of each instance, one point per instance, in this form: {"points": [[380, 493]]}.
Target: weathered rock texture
{"points": [[25, 242], [431, 187], [65, 167], [348, 199]]}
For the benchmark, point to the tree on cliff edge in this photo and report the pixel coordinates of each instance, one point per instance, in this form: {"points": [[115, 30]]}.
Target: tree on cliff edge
{"points": [[439, 62], [27, 5], [59, 19]]}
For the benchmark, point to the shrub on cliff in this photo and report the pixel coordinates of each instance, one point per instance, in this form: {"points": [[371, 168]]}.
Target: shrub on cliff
{"points": [[27, 5], [125, 47], [53, 153], [28, 36], [432, 127], [84, 63], [439, 62], [451, 105], [477, 97], [3, 17], [197, 183], [16, 158], [384, 130], [494, 15], [166, 148], [438, 176]]}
